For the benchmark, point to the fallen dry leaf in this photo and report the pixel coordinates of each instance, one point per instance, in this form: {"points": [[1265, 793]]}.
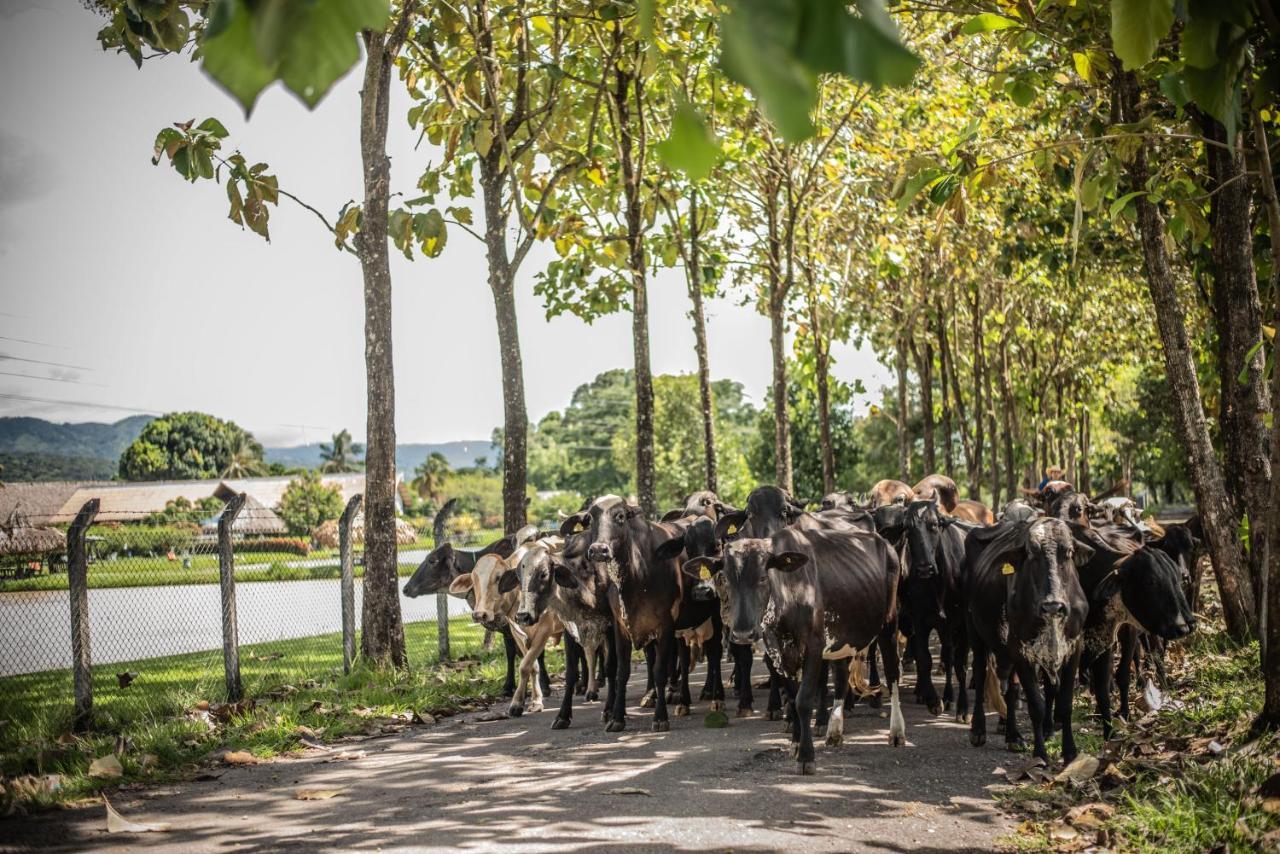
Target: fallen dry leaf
{"points": [[485, 717], [117, 823], [313, 743], [29, 788], [1032, 770], [1062, 832], [1090, 816], [629, 790], [347, 755], [316, 794], [1082, 768], [239, 757], [106, 767]]}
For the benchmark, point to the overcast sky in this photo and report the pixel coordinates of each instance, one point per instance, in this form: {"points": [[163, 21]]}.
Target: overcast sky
{"points": [[143, 293]]}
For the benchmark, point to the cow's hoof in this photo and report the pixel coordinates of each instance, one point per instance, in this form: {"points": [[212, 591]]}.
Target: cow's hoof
{"points": [[935, 708], [977, 739], [808, 769], [896, 740], [835, 739], [962, 718], [533, 708], [615, 726], [717, 705], [646, 702], [560, 723], [682, 711], [662, 726], [672, 695], [592, 696], [795, 750], [874, 701], [773, 715], [515, 711], [605, 716], [745, 711]]}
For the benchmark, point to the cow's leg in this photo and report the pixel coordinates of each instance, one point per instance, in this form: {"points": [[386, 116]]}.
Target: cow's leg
{"points": [[572, 657], [773, 710], [742, 655], [516, 709], [646, 699], [528, 673], [595, 667], [978, 721], [611, 674], [544, 675], [1100, 684], [1050, 693], [621, 673], [892, 674], [925, 689], [873, 679], [672, 665], [715, 681], [1066, 690], [803, 704], [581, 685], [1035, 707], [1012, 738], [946, 654], [959, 658], [824, 711], [509, 646], [665, 643], [1128, 642], [685, 662], [835, 723]]}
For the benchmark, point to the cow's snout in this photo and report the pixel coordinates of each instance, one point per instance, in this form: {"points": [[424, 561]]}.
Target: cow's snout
{"points": [[745, 638], [524, 618], [599, 552], [481, 616], [1053, 608], [703, 592], [1183, 627]]}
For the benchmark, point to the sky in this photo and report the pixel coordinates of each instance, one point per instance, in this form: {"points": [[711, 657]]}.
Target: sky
{"points": [[125, 290]]}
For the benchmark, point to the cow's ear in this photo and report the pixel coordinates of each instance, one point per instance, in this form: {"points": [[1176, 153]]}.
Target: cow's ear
{"points": [[574, 524], [509, 581], [1109, 586], [563, 575], [729, 524], [670, 549], [672, 515], [787, 561], [702, 568], [502, 548], [1082, 554], [634, 512], [461, 585]]}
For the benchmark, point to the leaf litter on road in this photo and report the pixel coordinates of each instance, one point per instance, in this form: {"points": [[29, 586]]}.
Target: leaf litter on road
{"points": [[117, 823]]}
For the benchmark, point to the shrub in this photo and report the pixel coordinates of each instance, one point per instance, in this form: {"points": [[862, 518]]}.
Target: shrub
{"points": [[139, 539], [288, 545], [307, 502]]}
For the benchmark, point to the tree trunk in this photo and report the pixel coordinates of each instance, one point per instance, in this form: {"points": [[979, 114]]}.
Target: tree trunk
{"points": [[928, 458], [700, 343], [904, 437], [781, 418], [979, 407], [944, 358], [382, 633], [1006, 397], [1086, 476], [822, 360], [632, 165], [995, 458], [1215, 509], [515, 420], [1237, 313]]}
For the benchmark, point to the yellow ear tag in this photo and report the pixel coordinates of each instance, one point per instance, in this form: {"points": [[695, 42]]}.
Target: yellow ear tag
{"points": [[704, 574], [1007, 569], [577, 529], [732, 529]]}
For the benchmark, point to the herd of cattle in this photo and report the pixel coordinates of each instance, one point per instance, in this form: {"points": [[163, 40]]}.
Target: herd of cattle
{"points": [[1047, 591]]}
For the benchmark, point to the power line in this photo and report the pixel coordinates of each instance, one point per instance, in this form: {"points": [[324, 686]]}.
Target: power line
{"points": [[39, 362], [31, 399], [36, 343], [51, 379]]}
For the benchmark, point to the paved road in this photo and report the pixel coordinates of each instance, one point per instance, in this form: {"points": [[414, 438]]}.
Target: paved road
{"points": [[517, 786]]}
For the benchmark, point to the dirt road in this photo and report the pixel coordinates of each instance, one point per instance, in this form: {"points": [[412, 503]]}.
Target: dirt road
{"points": [[516, 785]]}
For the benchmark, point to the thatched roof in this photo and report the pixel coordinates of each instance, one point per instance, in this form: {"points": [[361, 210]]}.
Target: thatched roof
{"points": [[19, 538], [40, 503], [326, 534], [253, 519]]}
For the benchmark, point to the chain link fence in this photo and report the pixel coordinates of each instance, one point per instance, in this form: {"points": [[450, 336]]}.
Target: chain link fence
{"points": [[155, 615]]}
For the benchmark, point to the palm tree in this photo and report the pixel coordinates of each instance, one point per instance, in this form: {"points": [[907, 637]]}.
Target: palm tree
{"points": [[246, 458], [429, 476], [342, 454]]}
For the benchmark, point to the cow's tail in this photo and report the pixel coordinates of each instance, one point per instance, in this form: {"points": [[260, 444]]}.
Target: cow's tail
{"points": [[994, 692]]}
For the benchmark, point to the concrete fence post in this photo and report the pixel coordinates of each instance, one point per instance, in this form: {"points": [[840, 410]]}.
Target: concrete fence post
{"points": [[348, 585], [78, 583], [227, 581]]}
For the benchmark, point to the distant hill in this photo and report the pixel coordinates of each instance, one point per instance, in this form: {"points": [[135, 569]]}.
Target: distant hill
{"points": [[408, 456], [21, 435]]}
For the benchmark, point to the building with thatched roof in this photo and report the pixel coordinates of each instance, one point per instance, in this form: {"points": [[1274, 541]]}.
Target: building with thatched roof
{"points": [[253, 520], [325, 534], [24, 547], [41, 503]]}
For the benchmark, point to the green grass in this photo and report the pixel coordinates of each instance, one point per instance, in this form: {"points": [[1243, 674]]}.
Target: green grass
{"points": [[1182, 799], [305, 687]]}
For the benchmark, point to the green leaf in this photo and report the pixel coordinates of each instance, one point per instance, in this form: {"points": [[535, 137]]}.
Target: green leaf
{"points": [[757, 40], [1243, 377], [1121, 203], [691, 147], [987, 22], [213, 127], [1199, 42], [1022, 93], [1174, 87], [230, 56], [914, 185], [645, 11], [1090, 194], [1216, 90], [322, 44], [1137, 27]]}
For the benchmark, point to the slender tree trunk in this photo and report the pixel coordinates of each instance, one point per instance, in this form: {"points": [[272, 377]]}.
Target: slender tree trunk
{"points": [[928, 459], [382, 633], [515, 421], [1006, 397], [781, 417], [1238, 321], [700, 342], [904, 434], [631, 155], [1270, 716], [944, 358], [1216, 511], [995, 455], [822, 360], [1086, 476], [981, 405]]}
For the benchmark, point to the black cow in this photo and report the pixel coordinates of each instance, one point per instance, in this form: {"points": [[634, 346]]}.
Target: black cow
{"points": [[1138, 589], [645, 593], [1024, 602], [840, 501], [809, 596], [933, 553]]}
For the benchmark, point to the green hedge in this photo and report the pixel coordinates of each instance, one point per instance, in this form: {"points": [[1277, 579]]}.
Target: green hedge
{"points": [[287, 545], [142, 540]]}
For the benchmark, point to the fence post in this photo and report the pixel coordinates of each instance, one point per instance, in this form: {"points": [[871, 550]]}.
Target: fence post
{"points": [[227, 581], [348, 586], [78, 582]]}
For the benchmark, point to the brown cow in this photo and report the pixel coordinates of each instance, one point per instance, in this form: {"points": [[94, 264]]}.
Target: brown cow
{"points": [[938, 486], [974, 511], [889, 492]]}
